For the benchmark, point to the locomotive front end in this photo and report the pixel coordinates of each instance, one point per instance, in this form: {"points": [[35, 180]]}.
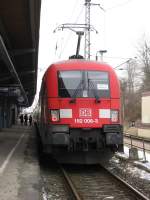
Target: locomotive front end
{"points": [[84, 110]]}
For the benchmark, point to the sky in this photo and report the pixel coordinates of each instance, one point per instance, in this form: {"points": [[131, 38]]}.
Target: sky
{"points": [[122, 25]]}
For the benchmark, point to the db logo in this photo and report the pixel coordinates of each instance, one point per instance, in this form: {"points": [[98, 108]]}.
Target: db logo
{"points": [[85, 112]]}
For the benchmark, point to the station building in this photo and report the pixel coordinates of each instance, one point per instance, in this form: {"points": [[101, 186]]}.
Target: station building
{"points": [[19, 39], [144, 129]]}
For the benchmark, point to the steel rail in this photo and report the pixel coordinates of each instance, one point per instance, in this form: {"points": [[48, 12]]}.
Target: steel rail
{"points": [[132, 189], [135, 192], [70, 184]]}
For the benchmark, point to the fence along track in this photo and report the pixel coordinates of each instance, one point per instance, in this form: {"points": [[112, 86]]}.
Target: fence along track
{"points": [[98, 183], [140, 143]]}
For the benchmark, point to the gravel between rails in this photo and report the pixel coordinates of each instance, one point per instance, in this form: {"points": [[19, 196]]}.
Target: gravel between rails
{"points": [[93, 182]]}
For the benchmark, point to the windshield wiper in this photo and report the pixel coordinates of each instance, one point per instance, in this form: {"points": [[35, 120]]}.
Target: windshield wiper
{"points": [[73, 100], [94, 91]]}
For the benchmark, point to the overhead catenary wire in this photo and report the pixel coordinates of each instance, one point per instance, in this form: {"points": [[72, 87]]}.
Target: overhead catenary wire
{"points": [[87, 29], [74, 8], [63, 46], [118, 5], [70, 34]]}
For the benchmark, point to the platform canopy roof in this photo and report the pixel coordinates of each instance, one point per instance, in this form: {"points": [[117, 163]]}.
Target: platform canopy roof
{"points": [[19, 39]]}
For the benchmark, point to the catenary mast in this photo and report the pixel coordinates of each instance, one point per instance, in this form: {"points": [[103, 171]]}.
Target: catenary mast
{"points": [[87, 30]]}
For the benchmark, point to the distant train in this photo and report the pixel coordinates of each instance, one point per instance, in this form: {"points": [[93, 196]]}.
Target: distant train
{"points": [[78, 114]]}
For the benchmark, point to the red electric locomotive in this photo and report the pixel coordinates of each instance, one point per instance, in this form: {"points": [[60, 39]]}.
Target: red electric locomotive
{"points": [[79, 112]]}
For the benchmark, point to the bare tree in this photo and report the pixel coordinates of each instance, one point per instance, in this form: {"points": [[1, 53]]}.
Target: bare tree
{"points": [[129, 93], [136, 82], [144, 56]]}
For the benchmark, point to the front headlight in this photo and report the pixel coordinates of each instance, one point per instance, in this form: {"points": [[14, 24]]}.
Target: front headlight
{"points": [[114, 115], [55, 115]]}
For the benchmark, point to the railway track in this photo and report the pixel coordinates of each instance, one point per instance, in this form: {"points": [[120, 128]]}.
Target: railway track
{"points": [[71, 182], [53, 185], [95, 182]]}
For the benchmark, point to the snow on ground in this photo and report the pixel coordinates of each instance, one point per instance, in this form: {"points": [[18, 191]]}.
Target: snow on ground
{"points": [[139, 168], [140, 153], [136, 173], [141, 156]]}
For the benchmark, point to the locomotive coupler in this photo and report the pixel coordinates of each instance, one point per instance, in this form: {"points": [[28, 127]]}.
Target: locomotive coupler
{"points": [[85, 144]]}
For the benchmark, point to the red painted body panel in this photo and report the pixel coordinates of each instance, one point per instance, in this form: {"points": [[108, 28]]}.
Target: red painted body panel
{"points": [[54, 102]]}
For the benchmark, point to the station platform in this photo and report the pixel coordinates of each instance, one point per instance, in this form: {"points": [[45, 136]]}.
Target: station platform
{"points": [[19, 167], [20, 171]]}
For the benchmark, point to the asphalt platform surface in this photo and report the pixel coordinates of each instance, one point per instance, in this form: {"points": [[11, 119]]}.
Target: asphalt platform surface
{"points": [[19, 166]]}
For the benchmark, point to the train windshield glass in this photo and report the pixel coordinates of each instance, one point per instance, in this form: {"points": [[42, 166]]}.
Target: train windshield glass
{"points": [[68, 82], [83, 84], [98, 82]]}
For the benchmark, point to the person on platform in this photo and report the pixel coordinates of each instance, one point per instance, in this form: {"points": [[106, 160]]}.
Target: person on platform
{"points": [[21, 119], [30, 120], [25, 119]]}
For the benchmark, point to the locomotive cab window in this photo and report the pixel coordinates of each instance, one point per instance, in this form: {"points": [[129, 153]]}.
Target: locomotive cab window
{"points": [[83, 84], [68, 81], [98, 82]]}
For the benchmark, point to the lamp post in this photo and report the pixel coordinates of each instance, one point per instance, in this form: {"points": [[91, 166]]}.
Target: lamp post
{"points": [[129, 82], [101, 52]]}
